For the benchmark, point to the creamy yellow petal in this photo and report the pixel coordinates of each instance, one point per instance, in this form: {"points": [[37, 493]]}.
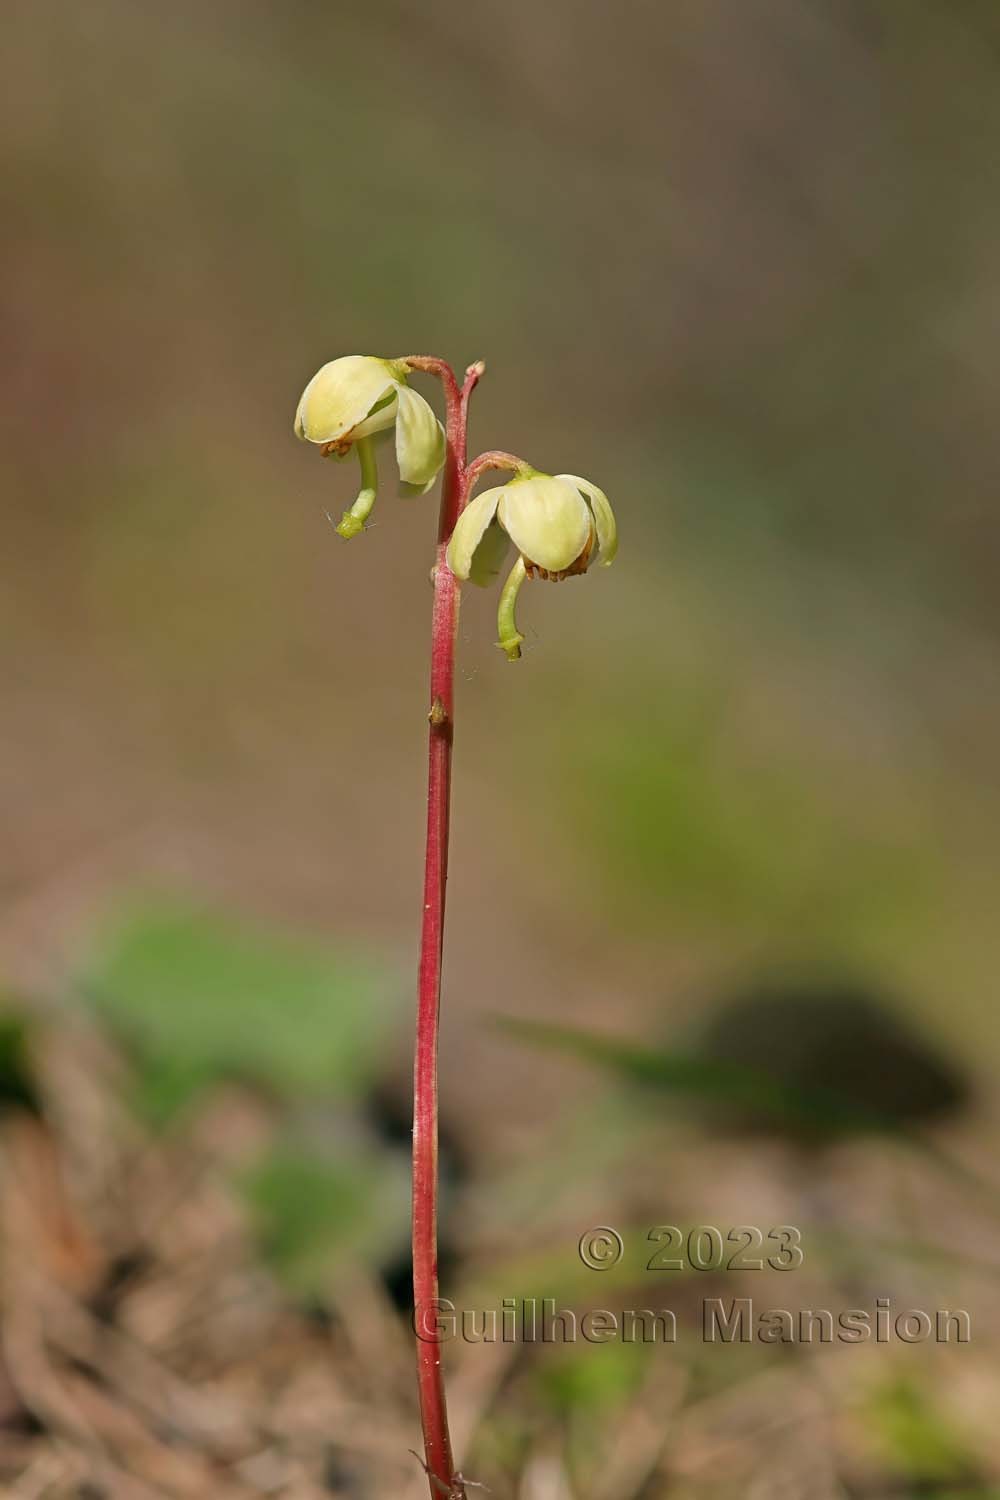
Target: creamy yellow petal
{"points": [[341, 396], [469, 530], [604, 517], [420, 444], [490, 556], [381, 417], [547, 519]]}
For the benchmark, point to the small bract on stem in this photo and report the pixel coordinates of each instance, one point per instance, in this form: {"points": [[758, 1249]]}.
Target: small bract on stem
{"points": [[559, 525]]}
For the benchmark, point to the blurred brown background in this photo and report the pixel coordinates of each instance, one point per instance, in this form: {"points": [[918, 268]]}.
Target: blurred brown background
{"points": [[737, 263]]}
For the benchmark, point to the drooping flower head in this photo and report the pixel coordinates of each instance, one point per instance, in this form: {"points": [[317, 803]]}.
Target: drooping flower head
{"points": [[351, 400], [560, 524]]}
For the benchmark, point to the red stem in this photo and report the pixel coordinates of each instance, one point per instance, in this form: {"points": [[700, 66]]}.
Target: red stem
{"points": [[445, 1483]]}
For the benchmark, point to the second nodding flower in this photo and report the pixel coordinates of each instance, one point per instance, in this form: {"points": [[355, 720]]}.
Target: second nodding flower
{"points": [[560, 524], [350, 403]]}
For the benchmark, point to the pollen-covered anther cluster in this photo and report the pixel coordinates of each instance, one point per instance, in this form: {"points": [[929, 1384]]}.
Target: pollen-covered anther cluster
{"points": [[556, 575]]}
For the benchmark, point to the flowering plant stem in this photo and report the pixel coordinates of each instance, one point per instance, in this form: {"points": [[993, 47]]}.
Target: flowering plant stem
{"points": [[459, 477], [559, 524]]}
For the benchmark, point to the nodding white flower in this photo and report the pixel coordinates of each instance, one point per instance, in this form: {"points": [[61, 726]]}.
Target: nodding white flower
{"points": [[560, 524], [351, 400]]}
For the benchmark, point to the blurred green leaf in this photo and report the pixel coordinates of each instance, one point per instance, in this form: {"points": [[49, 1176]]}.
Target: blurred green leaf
{"points": [[702, 1079], [199, 996], [591, 1379], [17, 1084], [916, 1438], [311, 1209]]}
